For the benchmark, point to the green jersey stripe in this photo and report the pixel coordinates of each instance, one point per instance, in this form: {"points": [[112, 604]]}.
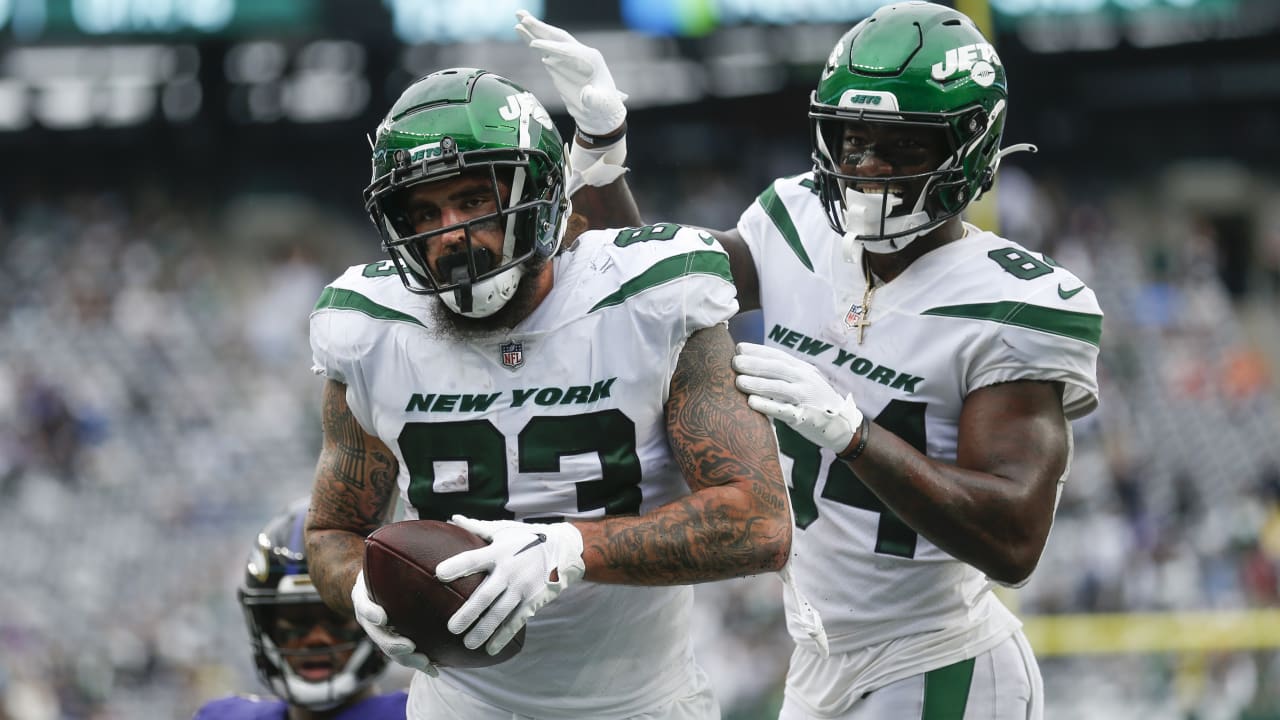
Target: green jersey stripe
{"points": [[335, 299], [946, 691], [1084, 327], [777, 212], [700, 262]]}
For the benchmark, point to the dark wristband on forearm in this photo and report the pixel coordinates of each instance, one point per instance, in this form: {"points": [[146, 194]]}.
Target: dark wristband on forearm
{"points": [[863, 431], [593, 142]]}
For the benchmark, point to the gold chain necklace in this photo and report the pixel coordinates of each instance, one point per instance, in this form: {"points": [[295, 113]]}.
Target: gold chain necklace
{"points": [[859, 316], [867, 294]]}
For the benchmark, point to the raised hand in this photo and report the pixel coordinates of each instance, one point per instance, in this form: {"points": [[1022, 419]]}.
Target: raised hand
{"points": [[580, 75]]}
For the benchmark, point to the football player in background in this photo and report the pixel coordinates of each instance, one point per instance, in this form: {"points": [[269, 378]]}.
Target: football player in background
{"points": [[318, 664], [921, 370], [577, 409]]}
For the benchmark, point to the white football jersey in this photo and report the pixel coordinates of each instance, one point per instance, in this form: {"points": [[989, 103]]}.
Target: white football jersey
{"points": [[563, 417], [976, 312]]}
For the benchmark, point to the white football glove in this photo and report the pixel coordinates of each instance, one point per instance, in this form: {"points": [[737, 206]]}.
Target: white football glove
{"points": [[789, 389], [373, 618], [586, 86], [520, 559], [580, 75]]}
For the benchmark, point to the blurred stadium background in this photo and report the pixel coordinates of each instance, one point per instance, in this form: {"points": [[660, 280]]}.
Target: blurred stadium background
{"points": [[181, 178]]}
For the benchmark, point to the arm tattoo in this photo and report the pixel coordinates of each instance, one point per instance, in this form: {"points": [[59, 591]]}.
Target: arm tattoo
{"points": [[353, 494], [736, 521], [356, 475], [714, 434]]}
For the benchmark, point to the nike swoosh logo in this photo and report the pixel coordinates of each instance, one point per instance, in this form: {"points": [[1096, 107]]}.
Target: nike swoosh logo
{"points": [[1068, 294], [541, 539]]}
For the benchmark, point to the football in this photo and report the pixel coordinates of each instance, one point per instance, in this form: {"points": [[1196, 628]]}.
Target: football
{"points": [[400, 571]]}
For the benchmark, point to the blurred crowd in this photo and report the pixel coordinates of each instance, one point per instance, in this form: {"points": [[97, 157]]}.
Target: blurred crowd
{"points": [[156, 407]]}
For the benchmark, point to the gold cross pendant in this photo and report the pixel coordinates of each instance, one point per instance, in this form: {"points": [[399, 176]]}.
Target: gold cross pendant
{"points": [[862, 324], [864, 317]]}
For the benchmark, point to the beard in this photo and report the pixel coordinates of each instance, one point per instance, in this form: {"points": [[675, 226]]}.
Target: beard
{"points": [[523, 302]]}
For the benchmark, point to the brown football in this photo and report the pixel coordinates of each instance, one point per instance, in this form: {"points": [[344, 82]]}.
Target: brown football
{"points": [[400, 571]]}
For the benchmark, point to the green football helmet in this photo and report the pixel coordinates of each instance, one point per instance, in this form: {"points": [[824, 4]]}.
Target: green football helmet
{"points": [[464, 120], [914, 65]]}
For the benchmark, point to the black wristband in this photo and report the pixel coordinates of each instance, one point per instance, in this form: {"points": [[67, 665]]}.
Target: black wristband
{"points": [[863, 431], [593, 142]]}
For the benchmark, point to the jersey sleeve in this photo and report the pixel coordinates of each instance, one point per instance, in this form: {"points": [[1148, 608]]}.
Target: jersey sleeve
{"points": [[669, 280], [339, 338], [775, 220], [326, 350], [754, 226], [669, 274], [1045, 337]]}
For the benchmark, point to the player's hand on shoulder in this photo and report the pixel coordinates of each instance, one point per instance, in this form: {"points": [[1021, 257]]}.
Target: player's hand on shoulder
{"points": [[373, 619], [580, 75], [528, 565], [789, 389]]}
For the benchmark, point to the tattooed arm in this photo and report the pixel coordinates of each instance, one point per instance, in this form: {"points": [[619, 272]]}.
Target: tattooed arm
{"points": [[736, 520], [353, 495]]}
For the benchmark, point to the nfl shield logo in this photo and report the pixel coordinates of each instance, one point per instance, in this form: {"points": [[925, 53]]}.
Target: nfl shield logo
{"points": [[512, 355], [853, 318]]}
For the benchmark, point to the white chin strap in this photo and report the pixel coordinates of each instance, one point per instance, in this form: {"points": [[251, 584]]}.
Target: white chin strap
{"points": [[487, 296], [323, 695], [862, 220], [490, 294]]}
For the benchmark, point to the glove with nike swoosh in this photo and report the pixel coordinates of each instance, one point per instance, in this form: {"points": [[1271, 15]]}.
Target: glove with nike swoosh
{"points": [[528, 566]]}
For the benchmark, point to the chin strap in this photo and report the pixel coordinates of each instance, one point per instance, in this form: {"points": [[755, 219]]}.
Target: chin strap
{"points": [[862, 219], [325, 694], [486, 297]]}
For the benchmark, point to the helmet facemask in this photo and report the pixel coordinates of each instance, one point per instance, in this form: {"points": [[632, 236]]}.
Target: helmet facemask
{"points": [[275, 659], [281, 607], [863, 208], [474, 281]]}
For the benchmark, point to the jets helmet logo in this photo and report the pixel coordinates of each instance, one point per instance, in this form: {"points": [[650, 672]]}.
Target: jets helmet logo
{"points": [[979, 60], [525, 103]]}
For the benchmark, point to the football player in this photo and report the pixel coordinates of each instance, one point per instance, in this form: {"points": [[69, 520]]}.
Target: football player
{"points": [[921, 371], [577, 409], [318, 664]]}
